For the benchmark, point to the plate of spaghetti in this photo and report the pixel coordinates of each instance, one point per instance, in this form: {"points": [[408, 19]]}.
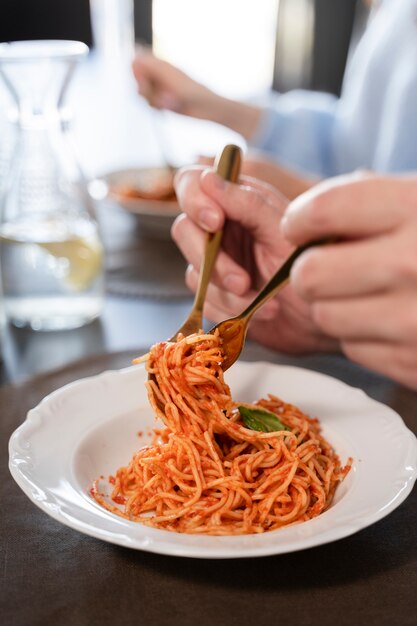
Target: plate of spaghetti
{"points": [[262, 460]]}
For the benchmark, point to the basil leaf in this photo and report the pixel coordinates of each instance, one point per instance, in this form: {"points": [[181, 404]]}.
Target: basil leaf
{"points": [[259, 419]]}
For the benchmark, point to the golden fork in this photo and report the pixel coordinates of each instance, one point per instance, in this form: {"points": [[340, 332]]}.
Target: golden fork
{"points": [[233, 330], [227, 165]]}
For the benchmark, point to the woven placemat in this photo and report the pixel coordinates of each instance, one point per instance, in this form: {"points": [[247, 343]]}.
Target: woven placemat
{"points": [[151, 269], [140, 262]]}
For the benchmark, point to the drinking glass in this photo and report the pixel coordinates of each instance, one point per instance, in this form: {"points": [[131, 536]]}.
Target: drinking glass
{"points": [[50, 250]]}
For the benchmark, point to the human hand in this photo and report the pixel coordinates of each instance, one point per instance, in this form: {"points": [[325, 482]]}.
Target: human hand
{"points": [[363, 289], [252, 250], [167, 87]]}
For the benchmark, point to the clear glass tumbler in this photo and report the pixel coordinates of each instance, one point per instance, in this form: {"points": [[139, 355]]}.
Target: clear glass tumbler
{"points": [[51, 256]]}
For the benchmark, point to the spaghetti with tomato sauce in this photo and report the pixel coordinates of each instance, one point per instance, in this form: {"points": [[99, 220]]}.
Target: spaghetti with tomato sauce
{"points": [[208, 470]]}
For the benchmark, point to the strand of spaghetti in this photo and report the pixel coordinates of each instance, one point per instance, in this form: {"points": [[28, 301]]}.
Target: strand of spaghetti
{"points": [[298, 509], [194, 418], [277, 476], [196, 471], [181, 477], [324, 473], [213, 452], [268, 502]]}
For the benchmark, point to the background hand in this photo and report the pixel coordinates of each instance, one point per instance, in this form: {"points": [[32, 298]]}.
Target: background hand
{"points": [[167, 87]]}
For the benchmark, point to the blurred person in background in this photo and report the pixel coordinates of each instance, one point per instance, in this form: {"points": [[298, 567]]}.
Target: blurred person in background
{"points": [[303, 135]]}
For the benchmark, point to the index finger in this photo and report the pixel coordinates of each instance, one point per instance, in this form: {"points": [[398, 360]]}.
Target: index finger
{"points": [[209, 200]]}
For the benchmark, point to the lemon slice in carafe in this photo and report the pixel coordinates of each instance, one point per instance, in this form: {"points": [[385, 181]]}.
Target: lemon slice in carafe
{"points": [[84, 257]]}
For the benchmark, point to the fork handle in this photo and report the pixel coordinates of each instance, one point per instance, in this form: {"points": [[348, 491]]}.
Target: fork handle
{"points": [[227, 165]]}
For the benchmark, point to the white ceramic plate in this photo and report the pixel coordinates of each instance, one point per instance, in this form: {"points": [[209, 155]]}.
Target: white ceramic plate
{"points": [[90, 428]]}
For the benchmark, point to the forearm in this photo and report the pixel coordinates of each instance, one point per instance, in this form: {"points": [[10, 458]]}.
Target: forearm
{"points": [[241, 117]]}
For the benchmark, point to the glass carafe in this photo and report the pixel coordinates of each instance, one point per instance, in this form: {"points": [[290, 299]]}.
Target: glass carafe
{"points": [[50, 251]]}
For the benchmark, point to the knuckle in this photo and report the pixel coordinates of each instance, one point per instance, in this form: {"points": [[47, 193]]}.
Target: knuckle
{"points": [[251, 198]]}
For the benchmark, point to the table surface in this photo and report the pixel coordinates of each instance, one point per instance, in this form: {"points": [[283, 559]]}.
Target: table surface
{"points": [[51, 574]]}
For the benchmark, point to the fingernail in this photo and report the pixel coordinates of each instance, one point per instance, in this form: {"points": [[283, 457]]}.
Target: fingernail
{"points": [[235, 283], [209, 220]]}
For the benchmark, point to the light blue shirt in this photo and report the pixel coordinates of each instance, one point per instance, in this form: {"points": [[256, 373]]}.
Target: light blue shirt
{"points": [[373, 124]]}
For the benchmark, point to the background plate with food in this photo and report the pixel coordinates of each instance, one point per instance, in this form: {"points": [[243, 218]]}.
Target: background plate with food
{"points": [[148, 193]]}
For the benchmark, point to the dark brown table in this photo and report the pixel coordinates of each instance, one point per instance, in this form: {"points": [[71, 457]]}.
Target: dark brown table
{"points": [[53, 575]]}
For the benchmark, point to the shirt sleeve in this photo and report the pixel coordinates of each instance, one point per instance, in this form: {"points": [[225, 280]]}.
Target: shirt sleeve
{"points": [[296, 129]]}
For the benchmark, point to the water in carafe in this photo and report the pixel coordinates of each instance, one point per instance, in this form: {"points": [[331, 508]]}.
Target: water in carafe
{"points": [[50, 250]]}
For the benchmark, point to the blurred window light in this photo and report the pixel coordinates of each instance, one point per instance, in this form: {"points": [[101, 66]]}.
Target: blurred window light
{"points": [[229, 45], [294, 44]]}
